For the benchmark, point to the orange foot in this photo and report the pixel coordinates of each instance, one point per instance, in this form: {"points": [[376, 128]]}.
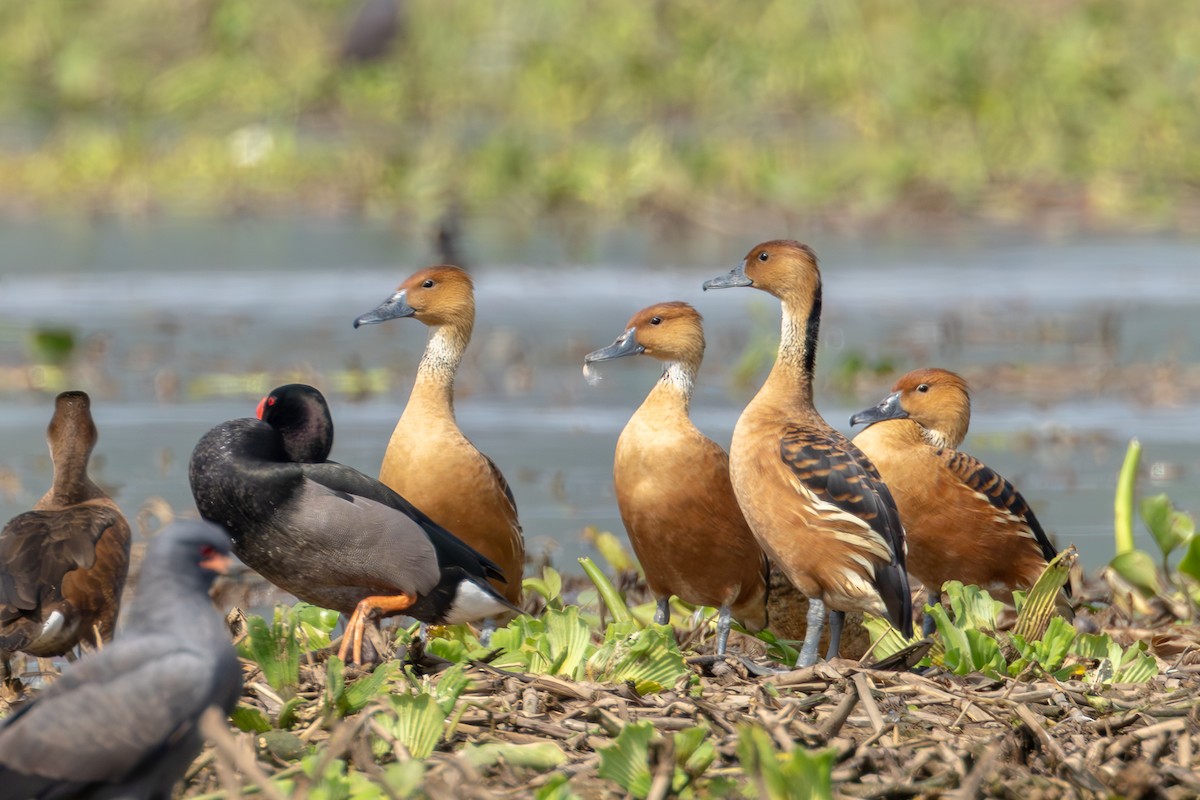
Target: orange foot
{"points": [[367, 609]]}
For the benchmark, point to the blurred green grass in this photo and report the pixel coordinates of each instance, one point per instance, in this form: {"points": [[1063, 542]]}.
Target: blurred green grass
{"points": [[700, 109]]}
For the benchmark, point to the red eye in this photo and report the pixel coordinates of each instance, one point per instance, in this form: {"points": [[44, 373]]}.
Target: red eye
{"points": [[262, 406], [208, 551]]}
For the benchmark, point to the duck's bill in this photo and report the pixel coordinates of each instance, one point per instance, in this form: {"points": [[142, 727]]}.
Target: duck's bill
{"points": [[889, 408], [625, 345], [734, 278], [392, 308]]}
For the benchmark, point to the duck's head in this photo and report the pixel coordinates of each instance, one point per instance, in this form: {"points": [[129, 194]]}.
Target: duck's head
{"points": [[442, 295], [666, 331], [936, 399], [72, 428], [783, 267], [301, 416]]}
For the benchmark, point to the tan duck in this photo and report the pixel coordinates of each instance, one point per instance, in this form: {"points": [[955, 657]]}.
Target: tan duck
{"points": [[962, 520], [428, 459], [673, 486], [815, 503], [63, 564]]}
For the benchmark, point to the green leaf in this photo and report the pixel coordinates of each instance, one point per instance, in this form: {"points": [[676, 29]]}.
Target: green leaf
{"points": [[1190, 563], [354, 698], [1138, 568], [1041, 602], [275, 649], [287, 714], [557, 788], [648, 657], [417, 721], [540, 756], [250, 720], [405, 778], [1170, 528], [798, 775], [557, 643], [612, 598], [549, 586], [973, 607], [625, 761], [612, 550], [1123, 501]]}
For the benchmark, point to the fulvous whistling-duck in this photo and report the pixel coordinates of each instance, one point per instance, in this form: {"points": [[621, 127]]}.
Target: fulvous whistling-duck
{"points": [[673, 486], [816, 504], [962, 520], [428, 459], [327, 533], [125, 721], [63, 564]]}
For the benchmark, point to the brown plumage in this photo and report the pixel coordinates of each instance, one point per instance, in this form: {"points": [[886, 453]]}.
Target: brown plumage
{"points": [[814, 501], [63, 564], [673, 485], [963, 521], [428, 459]]}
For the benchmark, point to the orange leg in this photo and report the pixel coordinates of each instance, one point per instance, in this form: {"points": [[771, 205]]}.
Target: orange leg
{"points": [[367, 609]]}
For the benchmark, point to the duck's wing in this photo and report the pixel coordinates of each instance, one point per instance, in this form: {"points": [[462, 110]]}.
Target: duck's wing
{"points": [[38, 548], [113, 716], [847, 491], [1012, 511], [451, 551], [845, 482], [498, 476]]}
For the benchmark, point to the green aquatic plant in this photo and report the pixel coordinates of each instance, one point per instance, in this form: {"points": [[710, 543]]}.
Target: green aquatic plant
{"points": [[416, 718], [628, 760], [770, 775], [1171, 529]]}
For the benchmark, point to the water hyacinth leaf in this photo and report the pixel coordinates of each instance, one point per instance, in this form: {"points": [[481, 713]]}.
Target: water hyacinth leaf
{"points": [[798, 775], [540, 756], [612, 550], [612, 598], [1190, 563], [984, 654], [1138, 569], [694, 754], [557, 788], [886, 641], [1136, 666], [451, 683], [1170, 528], [417, 722], [287, 714], [973, 607], [354, 698], [625, 762], [275, 649], [315, 625], [405, 778], [1123, 501], [649, 658], [549, 586], [250, 720], [557, 643], [1041, 602]]}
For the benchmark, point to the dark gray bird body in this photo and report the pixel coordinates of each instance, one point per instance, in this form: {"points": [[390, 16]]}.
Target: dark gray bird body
{"points": [[123, 723], [325, 532]]}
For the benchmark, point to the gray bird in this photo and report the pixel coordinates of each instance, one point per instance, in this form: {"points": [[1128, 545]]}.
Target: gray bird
{"points": [[124, 722]]}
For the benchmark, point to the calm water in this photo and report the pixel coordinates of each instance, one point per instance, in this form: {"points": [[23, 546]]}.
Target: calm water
{"points": [[182, 326]]}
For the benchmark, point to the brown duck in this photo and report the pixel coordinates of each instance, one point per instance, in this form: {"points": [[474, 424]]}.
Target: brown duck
{"points": [[63, 564]]}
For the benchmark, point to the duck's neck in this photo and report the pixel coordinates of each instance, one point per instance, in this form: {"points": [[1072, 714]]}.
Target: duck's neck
{"points": [[674, 389], [941, 439], [791, 380], [71, 481], [433, 391]]}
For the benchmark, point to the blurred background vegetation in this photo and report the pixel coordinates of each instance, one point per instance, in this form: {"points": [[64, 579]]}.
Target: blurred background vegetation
{"points": [[680, 111]]}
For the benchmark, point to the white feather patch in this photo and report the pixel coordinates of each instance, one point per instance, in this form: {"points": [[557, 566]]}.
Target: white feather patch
{"points": [[53, 624], [473, 603]]}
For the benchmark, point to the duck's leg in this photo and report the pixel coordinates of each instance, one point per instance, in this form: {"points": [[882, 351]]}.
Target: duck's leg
{"points": [[836, 620], [815, 621], [662, 612], [486, 630], [723, 620], [928, 625], [371, 608]]}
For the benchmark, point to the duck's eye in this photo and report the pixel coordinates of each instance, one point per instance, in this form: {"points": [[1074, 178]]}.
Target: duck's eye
{"points": [[428, 284], [763, 256], [924, 387], [656, 321]]}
